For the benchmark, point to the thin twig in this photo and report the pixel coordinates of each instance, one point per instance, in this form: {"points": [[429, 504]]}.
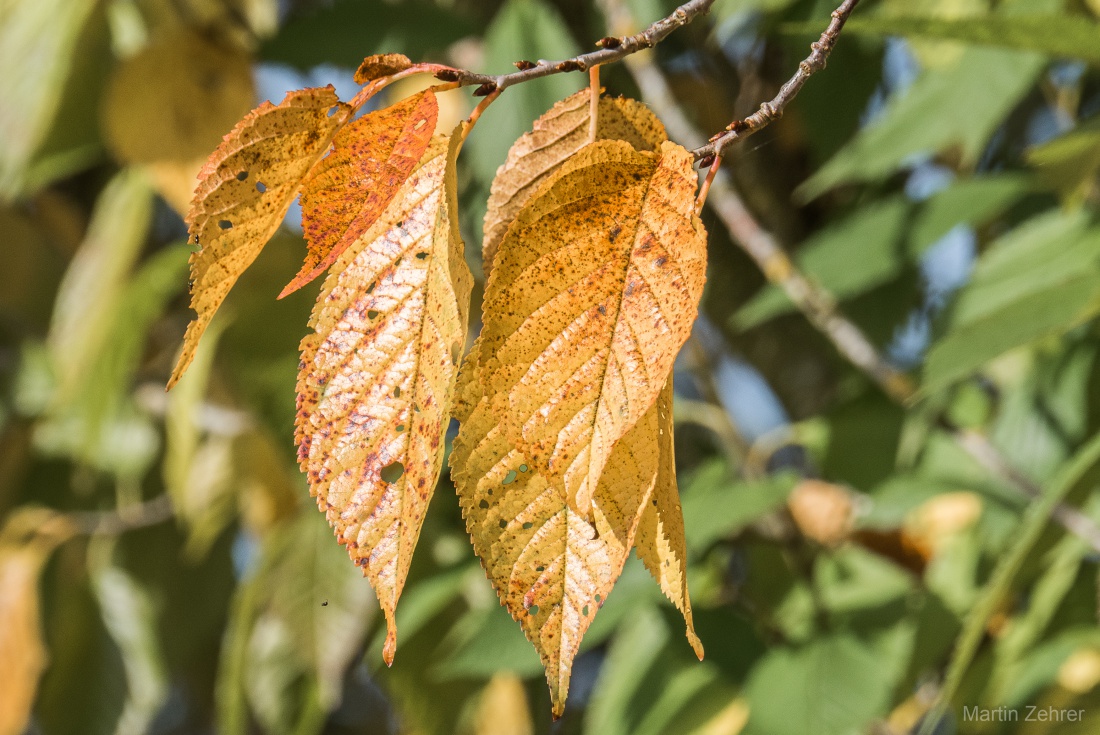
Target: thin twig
{"points": [[612, 49], [704, 189], [773, 109], [469, 123], [816, 303]]}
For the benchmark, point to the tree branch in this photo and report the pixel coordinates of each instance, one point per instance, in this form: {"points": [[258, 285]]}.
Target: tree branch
{"points": [[612, 49], [772, 110], [815, 303]]}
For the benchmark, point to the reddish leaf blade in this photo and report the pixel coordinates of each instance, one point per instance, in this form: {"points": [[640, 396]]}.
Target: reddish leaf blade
{"points": [[377, 376], [348, 190]]}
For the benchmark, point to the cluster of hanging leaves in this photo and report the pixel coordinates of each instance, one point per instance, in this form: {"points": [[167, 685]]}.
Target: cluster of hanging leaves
{"points": [[596, 262]]}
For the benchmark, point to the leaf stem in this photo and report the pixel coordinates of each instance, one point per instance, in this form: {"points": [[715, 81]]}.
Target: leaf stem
{"points": [[705, 188], [469, 123]]}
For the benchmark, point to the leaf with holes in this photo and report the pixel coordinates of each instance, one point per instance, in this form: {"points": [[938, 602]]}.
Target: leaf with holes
{"points": [[244, 191], [661, 544], [377, 375], [558, 134], [347, 191], [551, 568], [594, 290]]}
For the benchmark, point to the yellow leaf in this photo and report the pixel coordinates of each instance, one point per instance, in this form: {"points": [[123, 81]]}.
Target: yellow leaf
{"points": [[39, 44], [558, 134], [350, 188], [551, 568], [244, 192], [21, 646], [25, 541], [594, 290], [174, 99], [661, 545], [502, 709], [378, 374]]}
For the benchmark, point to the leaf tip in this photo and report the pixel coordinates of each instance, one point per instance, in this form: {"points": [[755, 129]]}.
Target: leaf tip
{"points": [[390, 649], [289, 289], [305, 276], [696, 644]]}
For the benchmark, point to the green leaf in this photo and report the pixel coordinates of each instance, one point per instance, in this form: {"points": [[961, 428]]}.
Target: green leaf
{"points": [[322, 597], [855, 579], [45, 32], [971, 201], [198, 473], [1041, 279], [716, 506], [294, 630], [1071, 36], [130, 616], [91, 293], [419, 604], [631, 656], [834, 685], [487, 642], [1068, 161], [863, 441], [873, 237], [960, 105], [883, 237], [1027, 534]]}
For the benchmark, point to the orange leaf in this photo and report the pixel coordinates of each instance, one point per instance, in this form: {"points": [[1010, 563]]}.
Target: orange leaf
{"points": [[377, 375], [244, 191], [371, 158], [594, 290], [560, 132], [661, 544], [551, 567]]}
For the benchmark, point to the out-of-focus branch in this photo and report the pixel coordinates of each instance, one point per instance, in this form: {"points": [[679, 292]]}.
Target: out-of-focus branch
{"points": [[126, 518], [815, 303]]}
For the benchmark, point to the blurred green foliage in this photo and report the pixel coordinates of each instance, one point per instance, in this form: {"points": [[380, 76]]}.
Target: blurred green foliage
{"points": [[940, 179]]}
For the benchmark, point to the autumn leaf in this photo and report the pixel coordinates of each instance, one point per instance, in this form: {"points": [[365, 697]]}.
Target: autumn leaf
{"points": [[244, 192], [551, 567], [661, 544], [21, 646], [559, 133], [174, 99], [350, 188], [378, 373], [377, 66], [595, 288], [26, 540]]}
